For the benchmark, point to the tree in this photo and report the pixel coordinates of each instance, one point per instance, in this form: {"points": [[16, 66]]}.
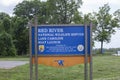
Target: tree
{"points": [[4, 21], [6, 24], [117, 16], [1, 27], [3, 15], [20, 35], [63, 11], [27, 9], [50, 11], [77, 18], [7, 47], [105, 25], [24, 12]]}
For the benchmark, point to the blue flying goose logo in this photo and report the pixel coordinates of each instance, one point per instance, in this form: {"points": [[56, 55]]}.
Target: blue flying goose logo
{"points": [[60, 62]]}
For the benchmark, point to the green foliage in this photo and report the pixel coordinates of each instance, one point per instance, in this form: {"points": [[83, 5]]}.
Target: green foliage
{"points": [[6, 24], [28, 9], [7, 47], [105, 25], [77, 18], [87, 18], [63, 11], [50, 11], [3, 15], [117, 16], [1, 27], [20, 35]]}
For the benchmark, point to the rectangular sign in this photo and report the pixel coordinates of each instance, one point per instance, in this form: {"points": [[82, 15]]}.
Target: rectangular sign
{"points": [[60, 40]]}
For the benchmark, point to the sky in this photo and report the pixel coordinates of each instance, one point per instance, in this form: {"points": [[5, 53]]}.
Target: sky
{"points": [[88, 6], [8, 5]]}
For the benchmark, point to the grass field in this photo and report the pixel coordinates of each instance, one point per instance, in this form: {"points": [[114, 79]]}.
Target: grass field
{"points": [[17, 58], [104, 68]]}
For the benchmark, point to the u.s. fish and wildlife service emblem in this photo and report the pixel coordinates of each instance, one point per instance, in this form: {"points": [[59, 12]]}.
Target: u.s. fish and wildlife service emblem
{"points": [[41, 48], [80, 48]]}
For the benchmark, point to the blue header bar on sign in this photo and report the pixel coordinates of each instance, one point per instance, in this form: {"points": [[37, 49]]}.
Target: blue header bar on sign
{"points": [[60, 40]]}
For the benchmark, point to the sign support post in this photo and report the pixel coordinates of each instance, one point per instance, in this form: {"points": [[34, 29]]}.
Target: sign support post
{"points": [[30, 51], [36, 49], [91, 62], [86, 55]]}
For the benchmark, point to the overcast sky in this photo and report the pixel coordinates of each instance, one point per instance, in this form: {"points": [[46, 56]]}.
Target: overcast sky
{"points": [[88, 6]]}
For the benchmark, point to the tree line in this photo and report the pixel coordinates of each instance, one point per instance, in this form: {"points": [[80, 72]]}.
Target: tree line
{"points": [[14, 37]]}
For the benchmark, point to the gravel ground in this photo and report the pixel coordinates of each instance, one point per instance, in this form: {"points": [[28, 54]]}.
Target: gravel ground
{"points": [[11, 64]]}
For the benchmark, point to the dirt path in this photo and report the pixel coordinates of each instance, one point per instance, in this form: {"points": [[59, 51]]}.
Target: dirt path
{"points": [[11, 64]]}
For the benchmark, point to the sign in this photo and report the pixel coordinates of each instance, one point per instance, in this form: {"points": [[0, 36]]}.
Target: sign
{"points": [[60, 40], [60, 46]]}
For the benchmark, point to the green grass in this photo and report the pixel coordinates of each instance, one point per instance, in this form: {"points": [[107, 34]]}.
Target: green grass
{"points": [[104, 68], [17, 58]]}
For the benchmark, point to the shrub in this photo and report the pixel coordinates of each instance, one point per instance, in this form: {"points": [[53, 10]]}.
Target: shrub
{"points": [[7, 47]]}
